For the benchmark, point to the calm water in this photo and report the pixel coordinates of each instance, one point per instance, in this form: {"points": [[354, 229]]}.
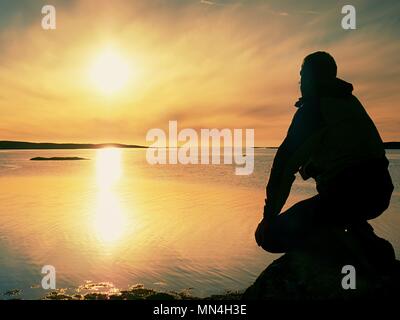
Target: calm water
{"points": [[116, 219]]}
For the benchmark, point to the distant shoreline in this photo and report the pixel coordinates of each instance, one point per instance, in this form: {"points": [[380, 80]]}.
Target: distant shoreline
{"points": [[388, 145], [21, 145], [392, 145]]}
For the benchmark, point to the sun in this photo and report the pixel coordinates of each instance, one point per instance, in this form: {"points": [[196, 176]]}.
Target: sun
{"points": [[109, 72]]}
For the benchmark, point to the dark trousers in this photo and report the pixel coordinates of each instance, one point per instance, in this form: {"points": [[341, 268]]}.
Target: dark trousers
{"points": [[357, 194]]}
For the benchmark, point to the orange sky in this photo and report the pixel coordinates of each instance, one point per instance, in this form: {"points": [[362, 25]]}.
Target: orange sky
{"points": [[209, 64]]}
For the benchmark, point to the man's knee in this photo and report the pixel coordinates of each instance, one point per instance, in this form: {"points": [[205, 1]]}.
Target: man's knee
{"points": [[272, 242]]}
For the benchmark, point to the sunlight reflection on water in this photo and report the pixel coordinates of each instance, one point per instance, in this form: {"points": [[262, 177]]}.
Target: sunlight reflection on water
{"points": [[109, 216]]}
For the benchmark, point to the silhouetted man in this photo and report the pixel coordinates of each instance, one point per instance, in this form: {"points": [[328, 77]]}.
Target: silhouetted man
{"points": [[332, 140]]}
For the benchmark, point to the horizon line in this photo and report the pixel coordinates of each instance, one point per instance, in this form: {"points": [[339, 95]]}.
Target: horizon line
{"points": [[117, 145]]}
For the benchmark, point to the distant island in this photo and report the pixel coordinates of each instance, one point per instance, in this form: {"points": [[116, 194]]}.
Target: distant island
{"points": [[46, 145], [57, 158]]}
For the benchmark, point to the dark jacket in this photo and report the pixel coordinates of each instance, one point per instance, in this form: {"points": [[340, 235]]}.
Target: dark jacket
{"points": [[328, 134]]}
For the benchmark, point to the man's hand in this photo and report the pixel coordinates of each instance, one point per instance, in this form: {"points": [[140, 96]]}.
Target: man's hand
{"points": [[260, 233], [269, 217]]}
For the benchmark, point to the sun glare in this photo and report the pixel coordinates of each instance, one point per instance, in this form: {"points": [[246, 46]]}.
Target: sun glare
{"points": [[109, 72]]}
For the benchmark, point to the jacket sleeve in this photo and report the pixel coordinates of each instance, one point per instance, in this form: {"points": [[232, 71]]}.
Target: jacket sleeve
{"points": [[303, 137]]}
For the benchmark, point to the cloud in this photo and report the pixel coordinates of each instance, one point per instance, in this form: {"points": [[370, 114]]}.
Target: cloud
{"points": [[207, 2]]}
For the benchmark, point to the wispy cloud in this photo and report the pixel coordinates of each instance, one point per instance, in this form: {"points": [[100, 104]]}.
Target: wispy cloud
{"points": [[207, 2], [310, 12]]}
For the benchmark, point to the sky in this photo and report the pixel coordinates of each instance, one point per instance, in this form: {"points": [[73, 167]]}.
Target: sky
{"points": [[206, 64]]}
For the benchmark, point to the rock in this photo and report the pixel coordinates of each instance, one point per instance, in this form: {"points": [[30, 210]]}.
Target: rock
{"points": [[314, 270], [13, 292], [57, 158]]}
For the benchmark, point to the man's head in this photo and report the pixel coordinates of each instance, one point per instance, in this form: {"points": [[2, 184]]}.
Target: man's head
{"points": [[317, 71]]}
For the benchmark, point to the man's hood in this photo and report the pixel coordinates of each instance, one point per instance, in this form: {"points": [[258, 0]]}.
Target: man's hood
{"points": [[339, 89]]}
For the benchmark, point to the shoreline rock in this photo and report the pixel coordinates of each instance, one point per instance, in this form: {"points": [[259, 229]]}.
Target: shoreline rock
{"points": [[314, 271]]}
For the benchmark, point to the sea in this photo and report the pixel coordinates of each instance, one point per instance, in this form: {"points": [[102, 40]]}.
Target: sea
{"points": [[114, 221]]}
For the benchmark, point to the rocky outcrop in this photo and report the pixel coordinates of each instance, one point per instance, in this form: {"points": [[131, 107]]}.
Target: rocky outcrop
{"points": [[314, 270]]}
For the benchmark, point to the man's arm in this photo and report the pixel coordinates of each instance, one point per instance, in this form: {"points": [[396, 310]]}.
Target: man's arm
{"points": [[280, 181], [303, 137]]}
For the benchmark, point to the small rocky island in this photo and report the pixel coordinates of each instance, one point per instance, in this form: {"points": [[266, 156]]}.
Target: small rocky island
{"points": [[57, 158]]}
